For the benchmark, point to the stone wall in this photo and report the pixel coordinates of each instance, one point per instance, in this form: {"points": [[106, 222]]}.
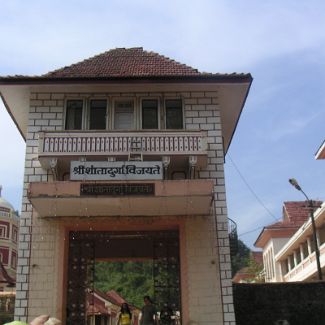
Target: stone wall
{"points": [[296, 303]]}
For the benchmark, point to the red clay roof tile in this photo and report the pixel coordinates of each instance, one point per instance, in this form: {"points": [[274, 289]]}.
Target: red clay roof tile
{"points": [[126, 63], [120, 62]]}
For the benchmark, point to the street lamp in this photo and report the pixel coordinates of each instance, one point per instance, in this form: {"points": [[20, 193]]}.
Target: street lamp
{"points": [[295, 184]]}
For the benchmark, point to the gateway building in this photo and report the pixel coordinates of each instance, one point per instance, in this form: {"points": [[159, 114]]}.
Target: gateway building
{"points": [[125, 164]]}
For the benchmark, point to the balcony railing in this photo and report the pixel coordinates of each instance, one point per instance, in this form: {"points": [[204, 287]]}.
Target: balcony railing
{"points": [[119, 143], [306, 268], [90, 144]]}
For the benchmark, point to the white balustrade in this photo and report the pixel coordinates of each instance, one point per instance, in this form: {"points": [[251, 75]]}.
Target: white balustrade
{"points": [[119, 143]]}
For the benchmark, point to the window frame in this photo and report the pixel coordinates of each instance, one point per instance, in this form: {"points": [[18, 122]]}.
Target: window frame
{"points": [[83, 115], [165, 112], [158, 111], [135, 112], [88, 110]]}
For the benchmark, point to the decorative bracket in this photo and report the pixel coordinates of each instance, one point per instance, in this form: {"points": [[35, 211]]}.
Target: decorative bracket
{"points": [[53, 163], [192, 160], [166, 162]]}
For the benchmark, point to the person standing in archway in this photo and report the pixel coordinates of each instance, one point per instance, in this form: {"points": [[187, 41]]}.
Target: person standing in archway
{"points": [[148, 312]]}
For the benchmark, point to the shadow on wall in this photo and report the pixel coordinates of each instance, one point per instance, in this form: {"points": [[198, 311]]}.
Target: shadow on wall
{"points": [[280, 303]]}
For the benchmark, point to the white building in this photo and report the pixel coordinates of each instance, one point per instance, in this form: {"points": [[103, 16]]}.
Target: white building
{"points": [[125, 161], [288, 246]]}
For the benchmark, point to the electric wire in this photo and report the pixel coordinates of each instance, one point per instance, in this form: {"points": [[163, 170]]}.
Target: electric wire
{"points": [[250, 231], [256, 197]]}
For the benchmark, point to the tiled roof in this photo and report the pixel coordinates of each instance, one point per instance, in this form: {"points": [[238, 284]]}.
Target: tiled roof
{"points": [[125, 63], [257, 257], [295, 214], [298, 212], [114, 296]]}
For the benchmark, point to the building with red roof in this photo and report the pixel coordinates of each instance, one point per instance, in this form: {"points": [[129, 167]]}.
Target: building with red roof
{"points": [[274, 239], [251, 273], [125, 161]]}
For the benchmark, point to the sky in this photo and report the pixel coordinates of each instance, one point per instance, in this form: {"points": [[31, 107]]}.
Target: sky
{"points": [[281, 43]]}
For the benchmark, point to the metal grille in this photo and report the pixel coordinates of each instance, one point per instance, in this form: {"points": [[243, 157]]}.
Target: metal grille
{"points": [[166, 272], [81, 267], [80, 276]]}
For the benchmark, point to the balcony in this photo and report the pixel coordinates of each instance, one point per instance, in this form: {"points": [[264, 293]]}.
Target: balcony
{"points": [[306, 269], [178, 145]]}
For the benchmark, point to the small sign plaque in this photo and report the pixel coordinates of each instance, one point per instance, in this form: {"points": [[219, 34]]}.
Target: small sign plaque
{"points": [[117, 170], [117, 189]]}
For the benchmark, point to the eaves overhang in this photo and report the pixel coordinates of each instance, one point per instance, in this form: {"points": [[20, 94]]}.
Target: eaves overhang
{"points": [[268, 233], [320, 154], [302, 233], [233, 90]]}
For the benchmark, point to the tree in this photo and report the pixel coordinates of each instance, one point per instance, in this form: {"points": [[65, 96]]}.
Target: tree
{"points": [[241, 258]]}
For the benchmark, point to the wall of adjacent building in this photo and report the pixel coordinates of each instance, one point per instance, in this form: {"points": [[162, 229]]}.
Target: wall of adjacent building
{"points": [[40, 275]]}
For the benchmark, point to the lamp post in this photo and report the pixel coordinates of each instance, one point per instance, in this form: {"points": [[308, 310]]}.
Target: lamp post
{"points": [[295, 184]]}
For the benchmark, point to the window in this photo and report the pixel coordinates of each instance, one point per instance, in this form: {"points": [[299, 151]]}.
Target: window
{"points": [[174, 114], [124, 115], [150, 114], [74, 114], [97, 114], [13, 259]]}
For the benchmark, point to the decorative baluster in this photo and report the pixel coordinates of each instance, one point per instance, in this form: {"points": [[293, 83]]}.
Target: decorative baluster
{"points": [[49, 144], [59, 144], [176, 144], [181, 144], [84, 144], [195, 143], [107, 147], [166, 144], [199, 143], [79, 147], [65, 145], [152, 144], [143, 144], [115, 144], [120, 144], [74, 144], [97, 144], [162, 147], [88, 146], [93, 145], [171, 143], [148, 144], [191, 144], [157, 144], [70, 141], [186, 143], [125, 144]]}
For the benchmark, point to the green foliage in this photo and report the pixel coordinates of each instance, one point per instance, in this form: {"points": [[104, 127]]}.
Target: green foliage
{"points": [[131, 280], [255, 269], [241, 259]]}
